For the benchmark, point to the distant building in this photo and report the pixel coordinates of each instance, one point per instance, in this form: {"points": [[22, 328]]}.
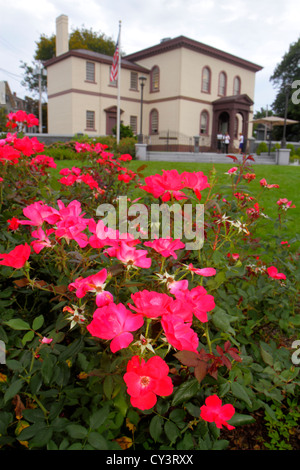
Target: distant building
{"points": [[12, 103], [7, 98], [191, 89]]}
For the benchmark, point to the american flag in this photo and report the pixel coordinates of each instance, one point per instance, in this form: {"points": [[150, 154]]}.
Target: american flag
{"points": [[115, 65]]}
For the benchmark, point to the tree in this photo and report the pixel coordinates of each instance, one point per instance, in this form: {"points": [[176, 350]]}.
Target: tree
{"points": [[262, 113], [3, 119], [46, 49], [79, 39], [31, 79], [284, 75]]}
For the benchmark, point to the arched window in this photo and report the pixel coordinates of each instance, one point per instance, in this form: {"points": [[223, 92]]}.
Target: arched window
{"points": [[153, 121], [222, 84], [237, 86], [206, 80], [154, 79], [204, 123]]}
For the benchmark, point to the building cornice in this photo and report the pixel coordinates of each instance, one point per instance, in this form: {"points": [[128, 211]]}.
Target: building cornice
{"points": [[182, 41], [127, 98], [95, 57]]}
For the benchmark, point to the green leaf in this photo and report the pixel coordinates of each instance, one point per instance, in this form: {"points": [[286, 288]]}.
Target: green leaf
{"points": [[162, 406], [38, 322], [222, 444], [239, 419], [32, 431], [121, 403], [28, 337], [76, 431], [12, 364], [47, 369], [3, 335], [99, 417], [97, 441], [192, 409], [185, 391], [33, 416], [217, 281], [64, 444], [133, 417], [6, 293], [266, 356], [75, 446], [171, 431], [177, 416], [35, 383], [18, 324], [187, 442], [223, 389], [5, 420], [51, 445], [13, 389], [222, 320], [295, 320], [108, 386], [218, 258], [240, 392], [155, 427], [72, 349], [41, 438], [269, 411]]}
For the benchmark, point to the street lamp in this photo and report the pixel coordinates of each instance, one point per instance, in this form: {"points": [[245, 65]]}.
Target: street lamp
{"points": [[142, 80], [39, 71], [287, 87]]}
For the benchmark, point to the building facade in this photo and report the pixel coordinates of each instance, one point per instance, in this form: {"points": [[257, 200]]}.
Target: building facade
{"points": [[190, 89]]}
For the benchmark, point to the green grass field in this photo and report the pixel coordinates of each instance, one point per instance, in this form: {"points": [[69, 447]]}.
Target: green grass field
{"points": [[288, 178]]}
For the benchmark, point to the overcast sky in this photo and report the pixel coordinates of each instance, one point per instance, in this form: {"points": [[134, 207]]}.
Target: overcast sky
{"points": [[260, 31]]}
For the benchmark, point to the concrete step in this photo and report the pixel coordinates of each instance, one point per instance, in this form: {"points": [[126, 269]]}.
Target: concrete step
{"points": [[205, 158]]}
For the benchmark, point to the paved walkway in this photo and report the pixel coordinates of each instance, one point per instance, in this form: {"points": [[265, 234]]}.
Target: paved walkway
{"points": [[205, 157]]}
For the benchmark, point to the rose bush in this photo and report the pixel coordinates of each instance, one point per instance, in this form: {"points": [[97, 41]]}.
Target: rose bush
{"points": [[115, 341]]}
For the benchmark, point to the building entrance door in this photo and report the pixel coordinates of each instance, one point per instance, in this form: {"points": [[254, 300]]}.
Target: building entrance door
{"points": [[223, 125], [111, 122], [111, 119]]}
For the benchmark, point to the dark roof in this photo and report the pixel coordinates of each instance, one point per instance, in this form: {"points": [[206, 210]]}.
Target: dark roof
{"points": [[95, 56], [182, 41]]}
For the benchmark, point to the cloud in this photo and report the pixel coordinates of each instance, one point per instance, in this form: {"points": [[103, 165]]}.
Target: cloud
{"points": [[260, 31]]}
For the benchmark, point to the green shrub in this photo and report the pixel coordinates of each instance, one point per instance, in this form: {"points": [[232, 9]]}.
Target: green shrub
{"points": [[262, 147], [63, 386], [277, 146], [108, 140], [125, 131], [127, 145], [282, 425], [61, 153], [291, 146]]}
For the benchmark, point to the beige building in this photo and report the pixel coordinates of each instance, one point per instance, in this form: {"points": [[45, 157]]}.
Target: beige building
{"points": [[191, 89]]}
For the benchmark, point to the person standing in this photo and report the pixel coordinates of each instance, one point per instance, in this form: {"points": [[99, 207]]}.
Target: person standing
{"points": [[220, 139], [227, 141], [241, 144]]}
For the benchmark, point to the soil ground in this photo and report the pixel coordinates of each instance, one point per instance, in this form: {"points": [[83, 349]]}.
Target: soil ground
{"points": [[254, 436]]}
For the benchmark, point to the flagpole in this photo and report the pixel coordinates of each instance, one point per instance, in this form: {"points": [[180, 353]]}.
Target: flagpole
{"points": [[119, 86]]}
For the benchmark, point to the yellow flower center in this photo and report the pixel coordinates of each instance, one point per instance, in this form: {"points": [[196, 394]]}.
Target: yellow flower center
{"points": [[145, 381]]}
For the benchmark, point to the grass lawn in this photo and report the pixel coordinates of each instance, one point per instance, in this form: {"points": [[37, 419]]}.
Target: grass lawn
{"points": [[288, 178]]}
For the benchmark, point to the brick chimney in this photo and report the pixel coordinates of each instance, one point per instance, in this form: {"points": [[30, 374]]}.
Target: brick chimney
{"points": [[62, 35]]}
